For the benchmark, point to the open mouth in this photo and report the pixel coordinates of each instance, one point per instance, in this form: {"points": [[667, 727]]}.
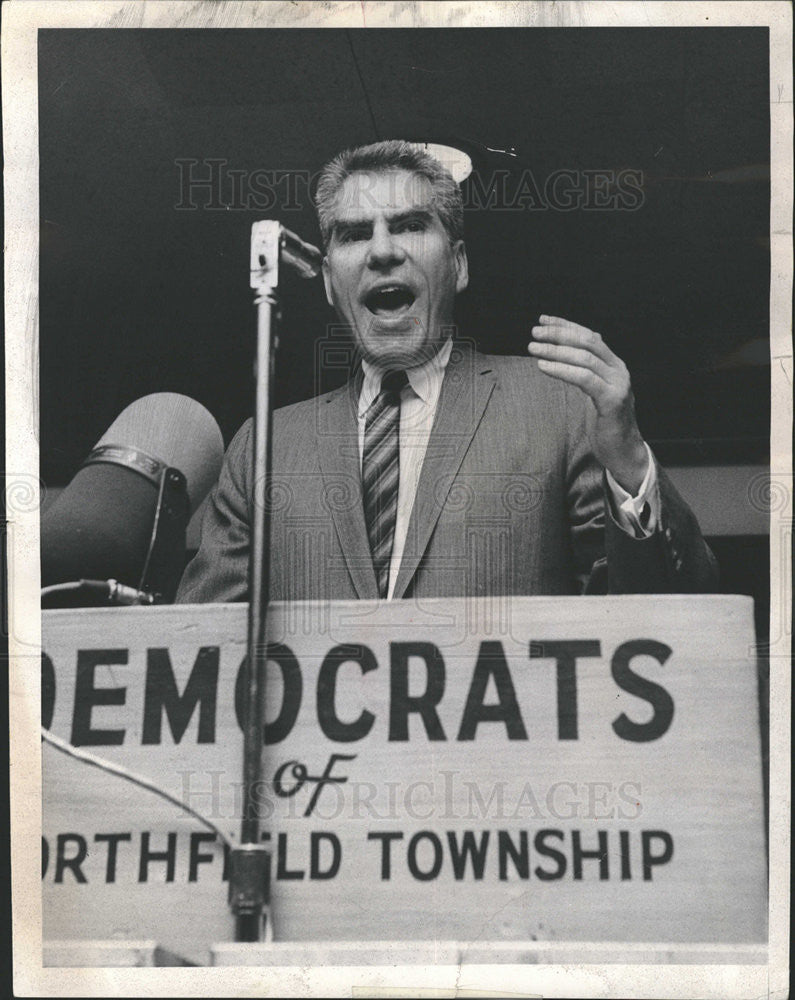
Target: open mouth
{"points": [[389, 300]]}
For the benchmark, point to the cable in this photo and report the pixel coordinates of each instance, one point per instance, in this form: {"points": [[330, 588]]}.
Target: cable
{"points": [[61, 588], [136, 779], [361, 82], [106, 592]]}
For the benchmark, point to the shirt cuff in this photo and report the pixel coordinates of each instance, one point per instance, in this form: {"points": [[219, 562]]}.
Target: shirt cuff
{"points": [[638, 515]]}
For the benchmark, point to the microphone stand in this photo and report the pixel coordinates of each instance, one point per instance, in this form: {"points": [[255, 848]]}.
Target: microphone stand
{"points": [[271, 246]]}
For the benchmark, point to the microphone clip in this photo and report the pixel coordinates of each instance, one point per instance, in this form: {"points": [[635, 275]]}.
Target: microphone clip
{"points": [[165, 557], [273, 245]]}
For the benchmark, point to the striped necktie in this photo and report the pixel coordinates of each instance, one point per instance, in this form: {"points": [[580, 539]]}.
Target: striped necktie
{"points": [[381, 473]]}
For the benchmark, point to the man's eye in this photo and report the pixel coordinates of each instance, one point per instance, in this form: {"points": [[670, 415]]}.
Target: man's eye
{"points": [[412, 226], [352, 235]]}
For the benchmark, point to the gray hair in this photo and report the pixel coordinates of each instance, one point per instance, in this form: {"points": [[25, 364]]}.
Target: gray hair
{"points": [[392, 154]]}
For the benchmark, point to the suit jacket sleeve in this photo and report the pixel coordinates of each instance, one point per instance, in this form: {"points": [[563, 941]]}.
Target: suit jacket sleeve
{"points": [[219, 570], [675, 559]]}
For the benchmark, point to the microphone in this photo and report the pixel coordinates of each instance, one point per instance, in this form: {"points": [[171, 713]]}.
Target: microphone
{"points": [[117, 532]]}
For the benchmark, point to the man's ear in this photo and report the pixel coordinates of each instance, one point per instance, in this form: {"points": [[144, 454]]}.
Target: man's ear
{"points": [[327, 281], [461, 266]]}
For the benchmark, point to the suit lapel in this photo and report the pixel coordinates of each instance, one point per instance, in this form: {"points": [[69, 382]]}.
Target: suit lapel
{"points": [[468, 384], [338, 455]]}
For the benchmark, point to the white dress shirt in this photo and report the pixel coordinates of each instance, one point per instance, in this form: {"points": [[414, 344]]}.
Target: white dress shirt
{"points": [[418, 403]]}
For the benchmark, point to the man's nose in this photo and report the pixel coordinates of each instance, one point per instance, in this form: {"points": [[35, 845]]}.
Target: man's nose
{"points": [[384, 250]]}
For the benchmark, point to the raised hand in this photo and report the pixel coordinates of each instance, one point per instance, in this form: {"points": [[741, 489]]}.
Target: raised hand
{"points": [[577, 355]]}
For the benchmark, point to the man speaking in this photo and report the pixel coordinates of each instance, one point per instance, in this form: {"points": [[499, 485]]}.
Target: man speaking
{"points": [[437, 471]]}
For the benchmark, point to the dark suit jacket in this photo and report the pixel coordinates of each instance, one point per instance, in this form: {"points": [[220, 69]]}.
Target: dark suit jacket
{"points": [[510, 501]]}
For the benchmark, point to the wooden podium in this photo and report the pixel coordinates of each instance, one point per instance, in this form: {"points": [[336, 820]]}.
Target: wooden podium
{"points": [[532, 777]]}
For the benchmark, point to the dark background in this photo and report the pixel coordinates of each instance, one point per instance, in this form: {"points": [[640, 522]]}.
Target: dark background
{"points": [[138, 296]]}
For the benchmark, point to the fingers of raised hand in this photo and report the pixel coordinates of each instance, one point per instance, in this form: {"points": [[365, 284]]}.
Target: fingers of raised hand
{"points": [[571, 356], [611, 392], [553, 329], [591, 384]]}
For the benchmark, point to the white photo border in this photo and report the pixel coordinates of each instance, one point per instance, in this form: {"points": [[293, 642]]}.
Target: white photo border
{"points": [[21, 21]]}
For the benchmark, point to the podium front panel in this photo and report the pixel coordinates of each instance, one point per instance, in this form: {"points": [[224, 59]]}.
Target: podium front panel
{"points": [[496, 770]]}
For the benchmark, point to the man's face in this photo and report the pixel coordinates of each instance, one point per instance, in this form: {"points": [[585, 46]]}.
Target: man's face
{"points": [[391, 271]]}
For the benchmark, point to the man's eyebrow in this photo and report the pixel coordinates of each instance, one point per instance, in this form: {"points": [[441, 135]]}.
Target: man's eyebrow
{"points": [[353, 222], [411, 213], [342, 225]]}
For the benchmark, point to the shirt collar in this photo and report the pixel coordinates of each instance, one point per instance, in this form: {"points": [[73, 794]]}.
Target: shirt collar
{"points": [[425, 379]]}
